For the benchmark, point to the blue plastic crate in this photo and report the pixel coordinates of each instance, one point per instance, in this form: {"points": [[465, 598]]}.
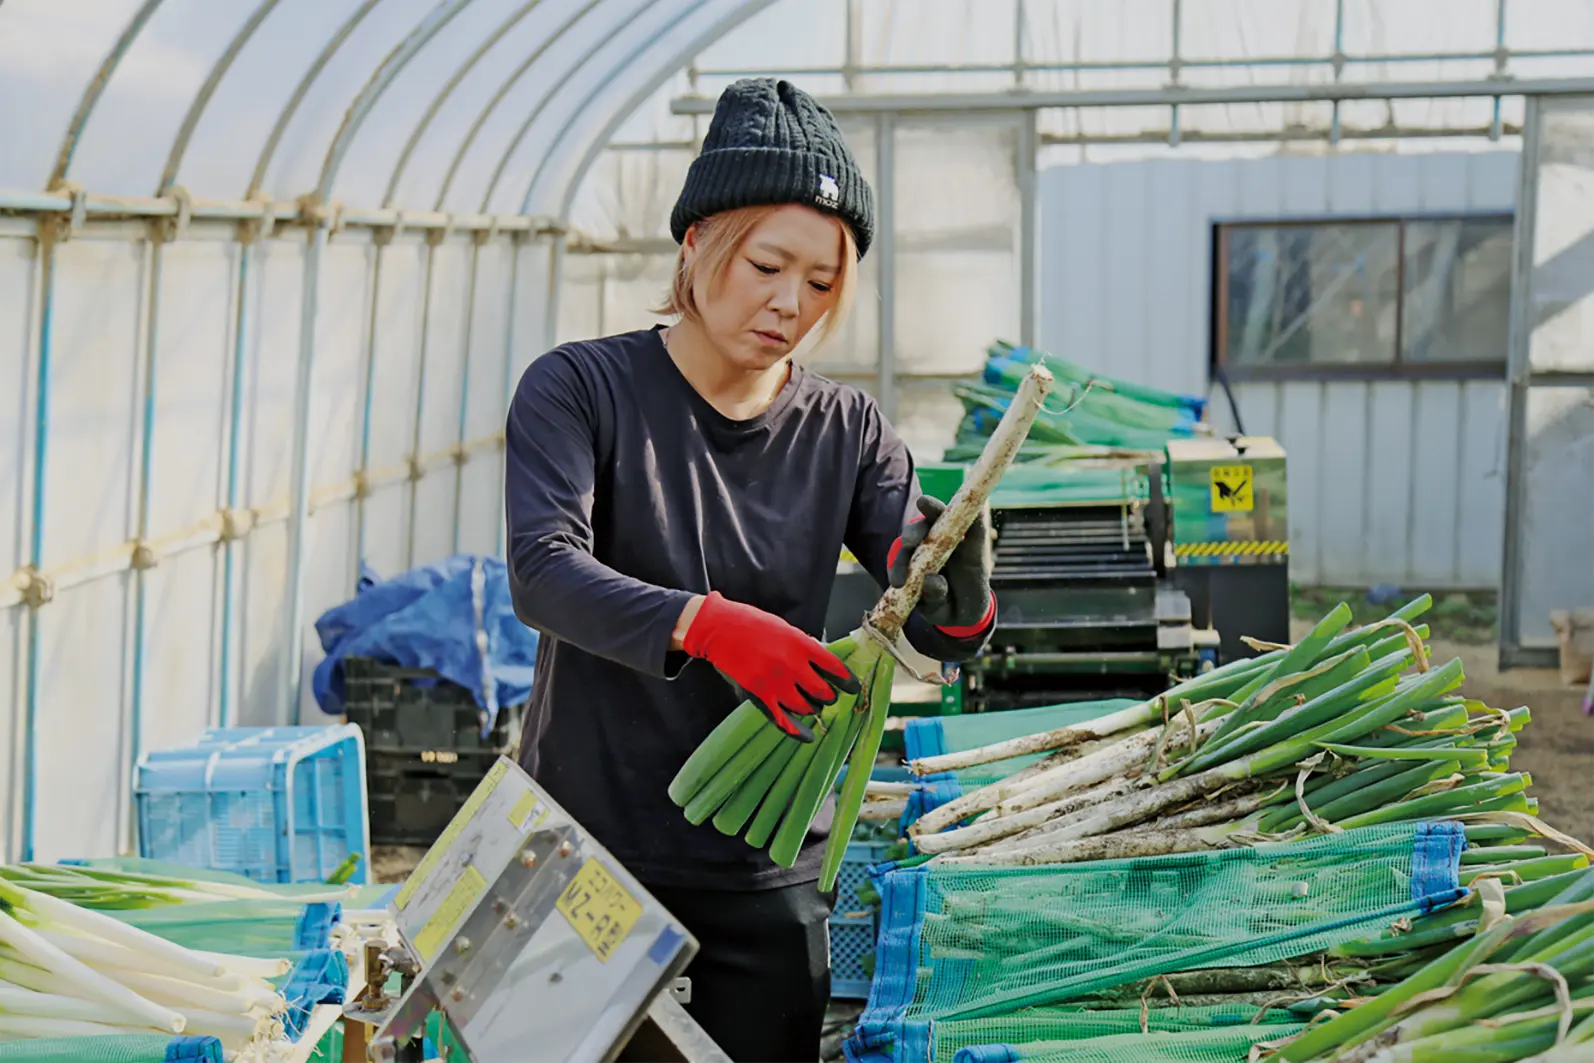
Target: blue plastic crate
{"points": [[278, 804], [852, 925]]}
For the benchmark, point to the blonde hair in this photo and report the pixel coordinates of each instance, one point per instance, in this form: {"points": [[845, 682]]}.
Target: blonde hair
{"points": [[720, 236]]}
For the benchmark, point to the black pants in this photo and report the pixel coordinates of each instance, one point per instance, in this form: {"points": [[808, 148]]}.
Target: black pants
{"points": [[761, 976]]}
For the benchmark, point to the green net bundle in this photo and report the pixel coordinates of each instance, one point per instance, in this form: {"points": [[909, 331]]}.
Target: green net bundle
{"points": [[1316, 827], [988, 944], [1090, 409]]}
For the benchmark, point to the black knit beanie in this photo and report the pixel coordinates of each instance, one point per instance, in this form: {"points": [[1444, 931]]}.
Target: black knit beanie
{"points": [[769, 142]]}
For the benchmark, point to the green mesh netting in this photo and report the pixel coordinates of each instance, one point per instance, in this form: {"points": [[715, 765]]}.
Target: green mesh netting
{"points": [[973, 943], [1205, 1046], [270, 929], [1021, 1031], [128, 1048]]}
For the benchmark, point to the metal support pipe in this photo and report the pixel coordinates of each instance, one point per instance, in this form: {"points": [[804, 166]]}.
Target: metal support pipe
{"points": [[1519, 364], [1501, 59], [49, 234], [885, 244], [464, 386], [299, 487], [1175, 64], [384, 239], [1029, 222], [422, 349], [146, 468], [1186, 95], [515, 249], [1338, 61], [227, 695]]}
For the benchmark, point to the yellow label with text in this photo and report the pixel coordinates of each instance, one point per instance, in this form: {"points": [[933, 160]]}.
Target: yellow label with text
{"points": [[449, 914], [467, 811], [520, 817], [598, 908], [1231, 488]]}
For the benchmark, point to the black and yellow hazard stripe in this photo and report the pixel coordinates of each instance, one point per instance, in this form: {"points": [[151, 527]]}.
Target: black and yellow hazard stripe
{"points": [[1249, 548]]}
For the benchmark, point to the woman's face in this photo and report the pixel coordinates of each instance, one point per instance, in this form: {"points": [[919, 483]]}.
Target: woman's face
{"points": [[776, 287]]}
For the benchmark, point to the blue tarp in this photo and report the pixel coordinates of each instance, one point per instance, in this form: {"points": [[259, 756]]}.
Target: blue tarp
{"points": [[427, 618]]}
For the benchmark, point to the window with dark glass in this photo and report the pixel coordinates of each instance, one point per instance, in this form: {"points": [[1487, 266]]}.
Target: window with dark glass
{"points": [[1379, 296]]}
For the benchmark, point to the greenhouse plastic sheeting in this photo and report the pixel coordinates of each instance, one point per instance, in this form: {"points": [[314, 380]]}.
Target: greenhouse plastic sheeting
{"points": [[930, 736], [428, 618], [129, 1048], [972, 943]]}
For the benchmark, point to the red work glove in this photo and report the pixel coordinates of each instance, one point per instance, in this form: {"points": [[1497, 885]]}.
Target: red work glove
{"points": [[784, 671]]}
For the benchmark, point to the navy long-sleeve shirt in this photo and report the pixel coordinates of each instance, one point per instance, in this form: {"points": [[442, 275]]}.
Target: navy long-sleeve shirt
{"points": [[628, 493]]}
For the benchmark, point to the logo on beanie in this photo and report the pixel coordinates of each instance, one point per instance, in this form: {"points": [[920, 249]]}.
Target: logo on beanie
{"points": [[829, 191]]}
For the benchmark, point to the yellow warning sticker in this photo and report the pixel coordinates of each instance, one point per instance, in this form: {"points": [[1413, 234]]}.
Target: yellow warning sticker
{"points": [[521, 816], [1231, 488], [599, 908], [450, 913], [467, 811]]}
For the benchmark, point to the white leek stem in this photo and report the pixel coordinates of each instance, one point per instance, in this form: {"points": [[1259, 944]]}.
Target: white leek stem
{"points": [[71, 917], [18, 1027], [17, 1001], [101, 953], [1061, 738], [991, 828], [249, 966], [89, 982], [1119, 759], [181, 995]]}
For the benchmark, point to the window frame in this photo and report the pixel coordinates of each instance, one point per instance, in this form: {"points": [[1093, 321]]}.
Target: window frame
{"points": [[1398, 368]]}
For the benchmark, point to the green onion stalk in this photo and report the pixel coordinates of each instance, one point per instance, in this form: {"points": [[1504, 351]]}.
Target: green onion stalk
{"points": [[70, 971], [748, 778]]}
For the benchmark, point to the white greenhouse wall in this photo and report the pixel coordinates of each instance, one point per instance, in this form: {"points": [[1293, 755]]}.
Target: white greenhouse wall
{"points": [[98, 384], [1390, 481]]}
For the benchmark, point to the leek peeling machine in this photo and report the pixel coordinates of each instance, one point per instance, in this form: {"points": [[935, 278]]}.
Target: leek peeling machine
{"points": [[532, 942], [1117, 575]]}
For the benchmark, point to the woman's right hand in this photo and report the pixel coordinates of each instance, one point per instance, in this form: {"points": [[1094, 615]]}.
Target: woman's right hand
{"points": [[786, 672]]}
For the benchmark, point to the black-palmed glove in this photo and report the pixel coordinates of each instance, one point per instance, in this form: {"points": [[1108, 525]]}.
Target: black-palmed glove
{"points": [[957, 599]]}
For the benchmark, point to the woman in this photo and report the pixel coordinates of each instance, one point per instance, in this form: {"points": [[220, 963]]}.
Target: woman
{"points": [[677, 501]]}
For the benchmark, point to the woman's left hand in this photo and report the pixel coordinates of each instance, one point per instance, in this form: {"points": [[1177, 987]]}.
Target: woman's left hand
{"points": [[958, 598]]}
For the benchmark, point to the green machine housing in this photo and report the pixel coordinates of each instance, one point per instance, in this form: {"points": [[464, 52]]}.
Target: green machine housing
{"points": [[1115, 575]]}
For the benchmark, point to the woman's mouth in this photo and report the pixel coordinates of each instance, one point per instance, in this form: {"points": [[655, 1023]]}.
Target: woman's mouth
{"points": [[770, 339]]}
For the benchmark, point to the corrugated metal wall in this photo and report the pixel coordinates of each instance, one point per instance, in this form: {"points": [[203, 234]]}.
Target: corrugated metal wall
{"points": [[1390, 481]]}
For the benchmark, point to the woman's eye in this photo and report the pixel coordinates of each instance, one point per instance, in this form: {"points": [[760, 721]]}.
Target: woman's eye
{"points": [[820, 287], [766, 270]]}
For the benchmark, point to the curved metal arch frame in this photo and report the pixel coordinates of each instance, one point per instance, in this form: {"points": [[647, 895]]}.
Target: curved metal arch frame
{"points": [[608, 79], [96, 89], [268, 150], [727, 22], [196, 109], [387, 71], [447, 90], [503, 91], [542, 105]]}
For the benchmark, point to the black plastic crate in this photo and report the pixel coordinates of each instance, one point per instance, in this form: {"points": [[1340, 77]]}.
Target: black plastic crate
{"points": [[413, 796], [414, 710]]}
